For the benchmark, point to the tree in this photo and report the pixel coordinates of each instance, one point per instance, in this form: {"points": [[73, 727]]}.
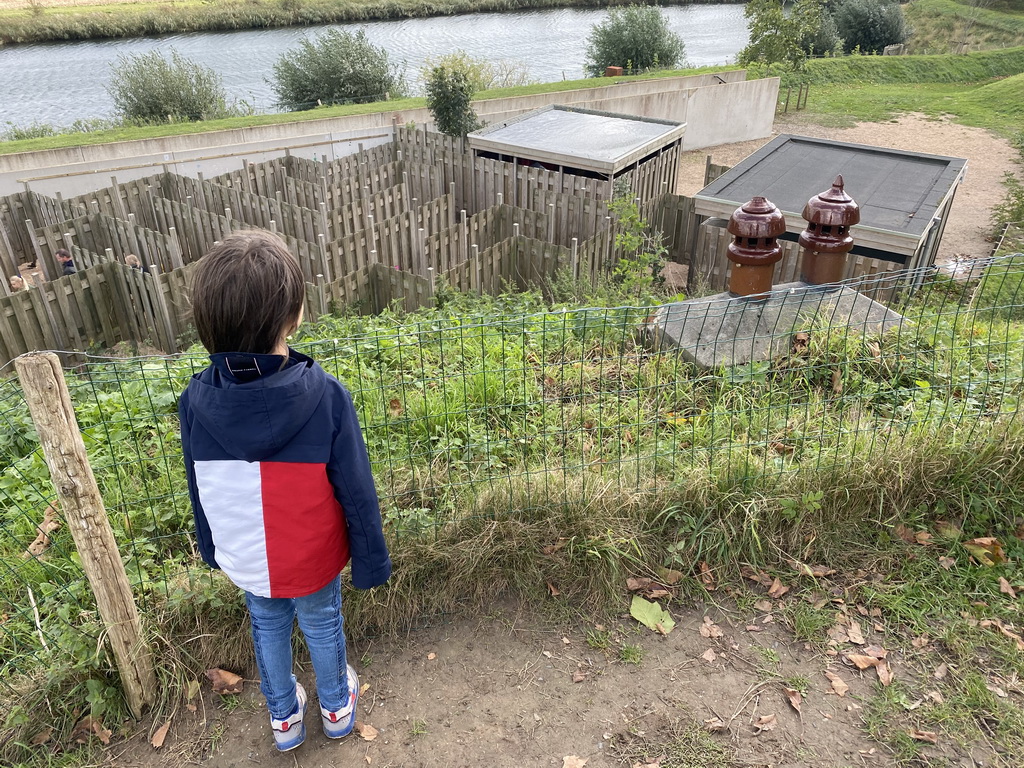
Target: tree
{"points": [[148, 88], [337, 66], [449, 93], [636, 38], [776, 37], [870, 25], [483, 75]]}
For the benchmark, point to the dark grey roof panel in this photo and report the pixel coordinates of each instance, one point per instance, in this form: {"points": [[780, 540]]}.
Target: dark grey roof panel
{"points": [[897, 191]]}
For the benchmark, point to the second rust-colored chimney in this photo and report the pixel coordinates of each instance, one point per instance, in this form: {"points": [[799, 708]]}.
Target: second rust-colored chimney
{"points": [[754, 249], [827, 240]]}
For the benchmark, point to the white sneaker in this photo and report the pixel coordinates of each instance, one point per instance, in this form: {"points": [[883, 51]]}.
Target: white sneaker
{"points": [[291, 732], [339, 723]]}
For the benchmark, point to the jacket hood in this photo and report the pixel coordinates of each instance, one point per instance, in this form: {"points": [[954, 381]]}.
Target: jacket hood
{"points": [[253, 405]]}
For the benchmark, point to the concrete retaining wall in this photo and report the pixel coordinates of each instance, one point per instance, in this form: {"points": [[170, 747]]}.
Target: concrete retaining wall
{"points": [[718, 108]]}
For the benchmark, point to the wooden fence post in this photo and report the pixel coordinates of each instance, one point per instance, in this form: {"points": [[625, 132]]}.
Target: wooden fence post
{"points": [[50, 405]]}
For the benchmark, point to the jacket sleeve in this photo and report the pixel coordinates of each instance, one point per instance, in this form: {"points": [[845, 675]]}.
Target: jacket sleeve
{"points": [[203, 536], [350, 475]]}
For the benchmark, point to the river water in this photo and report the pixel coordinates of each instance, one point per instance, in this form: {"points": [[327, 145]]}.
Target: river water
{"points": [[58, 83]]}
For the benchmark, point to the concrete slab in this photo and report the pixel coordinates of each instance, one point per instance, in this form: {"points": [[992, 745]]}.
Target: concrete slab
{"points": [[725, 330]]}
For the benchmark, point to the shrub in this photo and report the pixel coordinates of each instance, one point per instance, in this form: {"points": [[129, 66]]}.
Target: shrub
{"points": [[148, 88], [482, 75], [337, 66], [870, 25], [776, 37], [449, 92], [636, 38]]}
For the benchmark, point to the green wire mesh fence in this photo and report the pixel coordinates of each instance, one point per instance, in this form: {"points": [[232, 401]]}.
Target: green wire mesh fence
{"points": [[487, 398]]}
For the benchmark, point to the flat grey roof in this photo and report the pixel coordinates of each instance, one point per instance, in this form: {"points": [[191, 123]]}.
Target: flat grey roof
{"points": [[898, 192], [586, 139]]}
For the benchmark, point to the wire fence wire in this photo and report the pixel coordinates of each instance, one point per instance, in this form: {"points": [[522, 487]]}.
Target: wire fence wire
{"points": [[484, 399]]}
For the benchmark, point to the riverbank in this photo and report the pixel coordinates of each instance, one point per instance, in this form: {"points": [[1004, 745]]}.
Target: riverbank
{"points": [[41, 23]]}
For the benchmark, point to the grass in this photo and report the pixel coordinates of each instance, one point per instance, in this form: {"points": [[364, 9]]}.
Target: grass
{"points": [[137, 20], [938, 25], [137, 133]]}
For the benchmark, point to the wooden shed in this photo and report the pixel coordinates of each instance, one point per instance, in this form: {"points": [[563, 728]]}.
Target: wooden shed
{"points": [[589, 144], [904, 197]]}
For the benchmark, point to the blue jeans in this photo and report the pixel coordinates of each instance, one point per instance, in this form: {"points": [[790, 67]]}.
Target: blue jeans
{"points": [[320, 620]]}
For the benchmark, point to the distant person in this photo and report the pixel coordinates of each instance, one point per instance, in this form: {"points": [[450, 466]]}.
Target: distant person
{"points": [[133, 261], [63, 257], [18, 283], [278, 477]]}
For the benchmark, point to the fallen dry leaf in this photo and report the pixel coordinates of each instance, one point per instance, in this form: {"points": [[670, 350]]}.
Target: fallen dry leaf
{"points": [[930, 736], [571, 761], [920, 642], [904, 533], [670, 577], [43, 530], [862, 661], [765, 723], [707, 578], [550, 549], [161, 733], [876, 651], [884, 673], [947, 562], [998, 624], [923, 538], [838, 635], [777, 589], [224, 682], [42, 737], [709, 655], [752, 628], [758, 577], [634, 584], [794, 697], [837, 381], [552, 589], [935, 696], [579, 676], [838, 684], [710, 629], [87, 727], [714, 725], [366, 731], [855, 634], [1006, 589], [764, 606], [431, 656], [987, 550], [941, 671]]}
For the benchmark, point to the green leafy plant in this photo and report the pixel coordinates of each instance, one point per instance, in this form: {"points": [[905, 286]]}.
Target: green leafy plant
{"points": [[643, 251], [483, 74], [867, 26], [148, 88], [338, 66], [636, 38], [449, 96]]}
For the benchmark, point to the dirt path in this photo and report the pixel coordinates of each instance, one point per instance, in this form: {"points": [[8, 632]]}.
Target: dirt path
{"points": [[989, 157], [511, 690]]}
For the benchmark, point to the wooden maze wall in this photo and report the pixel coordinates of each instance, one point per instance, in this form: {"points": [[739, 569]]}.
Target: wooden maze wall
{"points": [[371, 229]]}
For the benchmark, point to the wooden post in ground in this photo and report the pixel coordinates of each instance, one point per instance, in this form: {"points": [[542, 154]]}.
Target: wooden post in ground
{"points": [[50, 405]]}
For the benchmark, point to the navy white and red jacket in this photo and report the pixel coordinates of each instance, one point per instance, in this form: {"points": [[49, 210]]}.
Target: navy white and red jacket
{"points": [[279, 477]]}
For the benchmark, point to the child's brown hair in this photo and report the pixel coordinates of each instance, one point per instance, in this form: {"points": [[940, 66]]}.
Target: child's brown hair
{"points": [[247, 292]]}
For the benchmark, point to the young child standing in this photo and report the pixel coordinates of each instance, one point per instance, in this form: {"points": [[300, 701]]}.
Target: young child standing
{"points": [[278, 477]]}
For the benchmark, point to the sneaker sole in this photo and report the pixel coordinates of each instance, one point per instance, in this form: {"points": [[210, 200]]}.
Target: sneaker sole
{"points": [[289, 746]]}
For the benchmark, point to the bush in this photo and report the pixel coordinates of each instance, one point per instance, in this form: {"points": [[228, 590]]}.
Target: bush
{"points": [[636, 38], [449, 92], [776, 37], [870, 25], [148, 88], [336, 67], [482, 75]]}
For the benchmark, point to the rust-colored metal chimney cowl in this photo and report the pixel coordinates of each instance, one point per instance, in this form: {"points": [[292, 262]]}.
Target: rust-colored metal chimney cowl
{"points": [[754, 249], [827, 240]]}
